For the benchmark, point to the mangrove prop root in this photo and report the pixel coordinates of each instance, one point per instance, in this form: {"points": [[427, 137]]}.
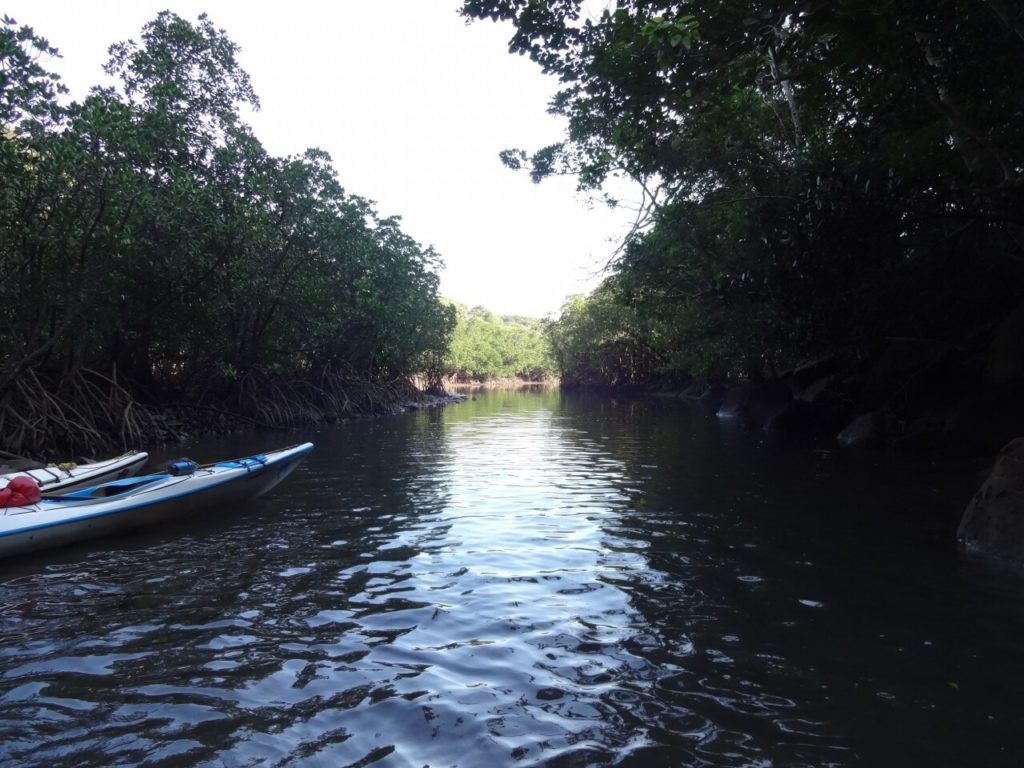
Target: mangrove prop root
{"points": [[78, 415], [86, 414]]}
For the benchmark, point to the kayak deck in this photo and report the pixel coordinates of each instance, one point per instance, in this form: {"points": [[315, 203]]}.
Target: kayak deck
{"points": [[137, 501]]}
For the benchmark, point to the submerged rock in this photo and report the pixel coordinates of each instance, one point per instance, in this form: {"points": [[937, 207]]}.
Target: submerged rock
{"points": [[993, 523], [755, 404], [866, 430], [734, 403]]}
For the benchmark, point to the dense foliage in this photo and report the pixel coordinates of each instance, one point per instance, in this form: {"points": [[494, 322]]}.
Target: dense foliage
{"points": [[820, 176], [152, 252], [485, 347]]}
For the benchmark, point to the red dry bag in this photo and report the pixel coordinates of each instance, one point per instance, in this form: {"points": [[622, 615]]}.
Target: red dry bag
{"points": [[20, 492]]}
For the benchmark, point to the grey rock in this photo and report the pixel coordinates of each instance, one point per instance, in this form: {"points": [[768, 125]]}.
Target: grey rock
{"points": [[806, 374], [993, 523], [755, 404], [734, 404], [817, 389], [866, 430]]}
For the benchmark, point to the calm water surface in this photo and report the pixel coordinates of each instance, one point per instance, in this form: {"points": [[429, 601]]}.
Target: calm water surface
{"points": [[529, 579]]}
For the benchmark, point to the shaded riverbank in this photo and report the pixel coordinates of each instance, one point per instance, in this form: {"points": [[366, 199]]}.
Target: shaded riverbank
{"points": [[912, 394], [283, 407]]}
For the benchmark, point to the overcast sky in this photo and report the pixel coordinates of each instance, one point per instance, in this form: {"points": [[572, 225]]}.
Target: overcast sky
{"points": [[413, 105]]}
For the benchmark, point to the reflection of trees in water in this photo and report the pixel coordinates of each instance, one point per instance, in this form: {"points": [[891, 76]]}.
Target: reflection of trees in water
{"points": [[532, 574]]}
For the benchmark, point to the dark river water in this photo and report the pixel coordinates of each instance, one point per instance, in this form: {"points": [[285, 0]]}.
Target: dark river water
{"points": [[529, 579]]}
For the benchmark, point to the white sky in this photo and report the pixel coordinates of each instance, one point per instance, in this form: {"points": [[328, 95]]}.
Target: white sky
{"points": [[413, 105]]}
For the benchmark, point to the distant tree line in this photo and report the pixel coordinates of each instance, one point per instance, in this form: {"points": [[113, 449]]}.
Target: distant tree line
{"points": [[486, 347], [817, 176], [154, 255]]}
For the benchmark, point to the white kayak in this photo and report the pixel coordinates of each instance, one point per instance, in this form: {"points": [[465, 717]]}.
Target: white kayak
{"points": [[137, 501], [60, 478]]}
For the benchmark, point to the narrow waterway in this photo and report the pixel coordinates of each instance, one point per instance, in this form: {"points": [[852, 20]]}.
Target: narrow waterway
{"points": [[529, 579]]}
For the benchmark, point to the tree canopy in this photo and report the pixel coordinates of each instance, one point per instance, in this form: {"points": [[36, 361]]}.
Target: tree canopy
{"points": [[818, 175], [485, 347], [154, 254]]}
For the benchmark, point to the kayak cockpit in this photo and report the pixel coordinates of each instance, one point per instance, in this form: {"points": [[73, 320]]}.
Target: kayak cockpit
{"points": [[111, 490]]}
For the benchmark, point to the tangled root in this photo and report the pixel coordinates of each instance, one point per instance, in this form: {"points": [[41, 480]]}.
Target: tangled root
{"points": [[83, 414], [88, 414], [328, 395]]}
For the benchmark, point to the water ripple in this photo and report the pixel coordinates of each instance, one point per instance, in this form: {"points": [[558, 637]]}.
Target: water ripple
{"points": [[518, 580]]}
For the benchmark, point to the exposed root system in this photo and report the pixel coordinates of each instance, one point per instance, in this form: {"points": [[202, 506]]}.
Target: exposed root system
{"points": [[81, 415], [324, 396], [89, 414]]}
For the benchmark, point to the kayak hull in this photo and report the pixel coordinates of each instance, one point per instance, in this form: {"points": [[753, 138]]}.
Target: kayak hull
{"points": [[129, 503]]}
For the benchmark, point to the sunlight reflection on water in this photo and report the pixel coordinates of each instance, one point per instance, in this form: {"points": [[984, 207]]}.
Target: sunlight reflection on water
{"points": [[524, 579]]}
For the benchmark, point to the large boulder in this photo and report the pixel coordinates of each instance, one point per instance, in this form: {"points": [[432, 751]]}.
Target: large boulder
{"points": [[807, 373], [993, 523]]}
